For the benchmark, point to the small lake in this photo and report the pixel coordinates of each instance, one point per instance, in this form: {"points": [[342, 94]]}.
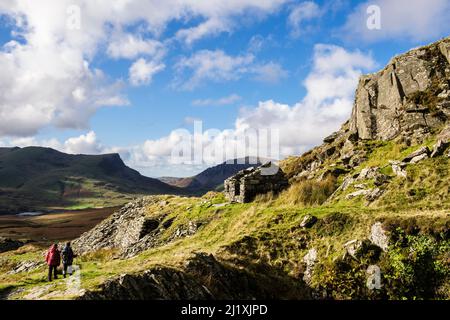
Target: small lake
{"points": [[29, 214]]}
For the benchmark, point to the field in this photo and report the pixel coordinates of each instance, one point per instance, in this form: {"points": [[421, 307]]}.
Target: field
{"points": [[60, 226]]}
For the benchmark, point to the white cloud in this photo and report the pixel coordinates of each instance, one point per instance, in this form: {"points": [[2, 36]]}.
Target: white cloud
{"points": [[142, 71], [270, 72], [330, 90], [209, 27], [231, 99], [47, 79], [217, 66], [301, 13], [129, 46], [415, 20], [84, 144], [330, 93]]}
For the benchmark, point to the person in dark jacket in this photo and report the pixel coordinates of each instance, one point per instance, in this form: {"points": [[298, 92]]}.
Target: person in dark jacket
{"points": [[53, 259], [67, 259]]}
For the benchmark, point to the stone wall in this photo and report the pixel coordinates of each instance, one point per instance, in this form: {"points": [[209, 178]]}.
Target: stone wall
{"points": [[247, 184]]}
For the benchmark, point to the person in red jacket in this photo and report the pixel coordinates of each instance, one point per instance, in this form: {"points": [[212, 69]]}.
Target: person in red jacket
{"points": [[53, 259]]}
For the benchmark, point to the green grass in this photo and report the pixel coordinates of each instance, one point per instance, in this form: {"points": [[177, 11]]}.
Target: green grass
{"points": [[267, 232]]}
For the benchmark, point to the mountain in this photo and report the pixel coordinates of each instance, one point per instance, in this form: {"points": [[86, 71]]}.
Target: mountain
{"points": [[365, 215], [213, 178], [35, 178]]}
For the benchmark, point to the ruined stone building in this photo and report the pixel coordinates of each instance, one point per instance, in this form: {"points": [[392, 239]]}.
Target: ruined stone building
{"points": [[248, 183]]}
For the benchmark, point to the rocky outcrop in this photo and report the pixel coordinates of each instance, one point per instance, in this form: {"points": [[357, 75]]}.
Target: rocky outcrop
{"points": [[7, 244], [124, 228], [201, 277], [407, 97], [246, 184], [27, 266], [133, 229], [439, 148], [417, 155]]}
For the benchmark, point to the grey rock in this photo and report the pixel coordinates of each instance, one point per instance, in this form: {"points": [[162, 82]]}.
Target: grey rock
{"points": [[418, 153], [358, 194], [385, 101], [202, 277], [374, 194], [368, 173], [308, 221], [398, 168], [439, 148], [353, 248], [419, 158], [331, 137], [27, 266]]}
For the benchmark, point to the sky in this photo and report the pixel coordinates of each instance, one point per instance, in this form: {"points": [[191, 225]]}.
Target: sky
{"points": [[144, 78]]}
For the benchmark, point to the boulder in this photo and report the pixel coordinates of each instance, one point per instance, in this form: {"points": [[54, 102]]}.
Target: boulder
{"points": [[417, 159], [368, 173], [308, 221], [374, 194], [358, 193], [331, 137], [356, 248], [398, 168], [439, 148], [417, 154], [27, 266]]}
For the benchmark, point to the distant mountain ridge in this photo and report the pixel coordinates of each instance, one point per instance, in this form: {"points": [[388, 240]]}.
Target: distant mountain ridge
{"points": [[213, 178], [33, 178]]}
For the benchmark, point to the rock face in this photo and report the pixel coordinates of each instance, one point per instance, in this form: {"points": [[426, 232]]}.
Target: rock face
{"points": [[124, 228], [9, 244], [406, 97], [202, 277], [131, 230], [246, 184]]}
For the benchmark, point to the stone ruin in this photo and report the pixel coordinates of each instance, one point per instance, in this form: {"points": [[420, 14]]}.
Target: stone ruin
{"points": [[247, 184]]}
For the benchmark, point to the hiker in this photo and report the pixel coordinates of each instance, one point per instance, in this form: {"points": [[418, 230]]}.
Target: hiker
{"points": [[53, 259], [67, 259]]}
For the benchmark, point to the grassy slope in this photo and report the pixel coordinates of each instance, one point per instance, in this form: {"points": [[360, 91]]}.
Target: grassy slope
{"points": [[267, 233]]}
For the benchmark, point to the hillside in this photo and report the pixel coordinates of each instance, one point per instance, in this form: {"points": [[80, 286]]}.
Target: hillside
{"points": [[36, 178], [366, 216], [212, 178]]}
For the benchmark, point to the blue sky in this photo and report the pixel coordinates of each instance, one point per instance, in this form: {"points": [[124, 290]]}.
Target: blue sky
{"points": [[122, 77]]}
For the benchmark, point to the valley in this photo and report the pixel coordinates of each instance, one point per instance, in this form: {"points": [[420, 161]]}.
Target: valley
{"points": [[364, 215]]}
